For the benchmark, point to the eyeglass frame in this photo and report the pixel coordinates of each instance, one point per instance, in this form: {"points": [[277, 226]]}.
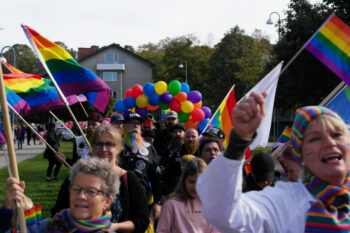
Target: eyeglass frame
{"points": [[100, 145], [86, 191]]}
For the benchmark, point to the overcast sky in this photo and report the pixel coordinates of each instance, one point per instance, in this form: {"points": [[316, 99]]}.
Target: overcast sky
{"points": [[134, 22]]}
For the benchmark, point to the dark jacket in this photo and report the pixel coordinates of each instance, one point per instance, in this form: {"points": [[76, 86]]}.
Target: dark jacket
{"points": [[52, 140]]}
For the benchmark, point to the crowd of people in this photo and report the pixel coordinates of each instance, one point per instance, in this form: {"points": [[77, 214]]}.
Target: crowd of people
{"points": [[147, 176]]}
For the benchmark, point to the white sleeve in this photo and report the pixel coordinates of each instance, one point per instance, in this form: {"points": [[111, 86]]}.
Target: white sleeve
{"points": [[220, 190]]}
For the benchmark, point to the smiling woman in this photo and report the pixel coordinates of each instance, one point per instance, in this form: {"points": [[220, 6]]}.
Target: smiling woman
{"points": [[318, 202]]}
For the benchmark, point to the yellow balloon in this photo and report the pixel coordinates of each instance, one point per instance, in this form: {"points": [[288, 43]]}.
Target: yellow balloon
{"points": [[142, 101], [161, 87], [186, 106]]}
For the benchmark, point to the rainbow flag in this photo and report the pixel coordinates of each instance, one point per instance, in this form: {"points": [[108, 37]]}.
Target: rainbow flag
{"points": [[38, 92], [330, 44], [11, 68], [71, 77], [223, 120], [285, 136], [2, 136], [16, 102]]}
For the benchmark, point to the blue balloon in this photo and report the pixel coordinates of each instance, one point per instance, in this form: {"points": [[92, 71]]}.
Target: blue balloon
{"points": [[119, 106], [154, 99], [129, 102], [148, 89], [185, 88], [202, 124]]}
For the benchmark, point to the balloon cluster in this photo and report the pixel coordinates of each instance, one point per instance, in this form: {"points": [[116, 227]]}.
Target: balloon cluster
{"points": [[176, 96]]}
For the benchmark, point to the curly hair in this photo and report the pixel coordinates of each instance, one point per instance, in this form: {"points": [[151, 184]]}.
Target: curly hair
{"points": [[100, 168]]}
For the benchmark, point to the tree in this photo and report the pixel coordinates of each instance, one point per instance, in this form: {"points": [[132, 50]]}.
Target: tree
{"points": [[224, 65], [25, 58], [340, 7], [72, 52], [307, 81], [254, 59]]}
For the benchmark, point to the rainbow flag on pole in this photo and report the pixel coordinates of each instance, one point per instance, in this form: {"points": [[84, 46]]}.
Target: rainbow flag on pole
{"points": [[285, 136], [223, 120], [71, 77], [38, 92], [330, 44]]}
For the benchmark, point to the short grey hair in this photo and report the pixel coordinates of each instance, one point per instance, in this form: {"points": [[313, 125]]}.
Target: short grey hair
{"points": [[100, 168]]}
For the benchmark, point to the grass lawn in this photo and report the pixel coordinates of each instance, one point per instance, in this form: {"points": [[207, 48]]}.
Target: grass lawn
{"points": [[33, 172]]}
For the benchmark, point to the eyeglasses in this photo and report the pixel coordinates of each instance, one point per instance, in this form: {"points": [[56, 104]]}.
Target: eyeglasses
{"points": [[100, 145], [136, 123], [90, 192], [211, 149]]}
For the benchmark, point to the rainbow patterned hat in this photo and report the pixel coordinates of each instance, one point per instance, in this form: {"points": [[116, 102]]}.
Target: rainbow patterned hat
{"points": [[303, 116]]}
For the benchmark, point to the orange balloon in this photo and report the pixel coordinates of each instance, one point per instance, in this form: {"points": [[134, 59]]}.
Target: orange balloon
{"points": [[181, 96], [197, 105], [152, 108], [191, 124]]}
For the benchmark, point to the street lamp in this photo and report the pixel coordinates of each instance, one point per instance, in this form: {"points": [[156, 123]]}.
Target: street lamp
{"points": [[182, 66], [13, 51], [269, 21]]}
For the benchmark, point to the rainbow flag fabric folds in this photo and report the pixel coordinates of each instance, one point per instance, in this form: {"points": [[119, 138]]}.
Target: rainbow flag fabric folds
{"points": [[285, 136], [330, 44], [70, 76], [223, 120], [37, 92], [16, 102]]}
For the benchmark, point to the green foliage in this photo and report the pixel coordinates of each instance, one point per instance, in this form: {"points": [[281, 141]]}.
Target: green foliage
{"points": [[307, 81], [25, 58], [340, 7], [33, 172], [71, 51]]}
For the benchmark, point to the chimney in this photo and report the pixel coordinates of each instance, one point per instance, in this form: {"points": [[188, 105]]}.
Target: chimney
{"points": [[82, 52]]}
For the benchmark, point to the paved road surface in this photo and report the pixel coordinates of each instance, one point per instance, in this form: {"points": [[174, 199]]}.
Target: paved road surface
{"points": [[27, 152]]}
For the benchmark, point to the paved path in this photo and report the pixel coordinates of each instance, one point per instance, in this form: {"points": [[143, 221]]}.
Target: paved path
{"points": [[27, 152]]}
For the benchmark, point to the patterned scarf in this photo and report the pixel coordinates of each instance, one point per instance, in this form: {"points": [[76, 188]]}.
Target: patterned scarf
{"points": [[331, 212], [101, 223]]}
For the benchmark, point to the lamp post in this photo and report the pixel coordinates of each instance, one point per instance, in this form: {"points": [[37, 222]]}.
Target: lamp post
{"points": [[13, 51], [182, 66], [269, 21]]}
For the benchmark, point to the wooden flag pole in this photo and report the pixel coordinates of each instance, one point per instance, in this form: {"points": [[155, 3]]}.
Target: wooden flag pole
{"points": [[70, 131], [36, 133], [83, 108], [10, 147], [37, 53]]}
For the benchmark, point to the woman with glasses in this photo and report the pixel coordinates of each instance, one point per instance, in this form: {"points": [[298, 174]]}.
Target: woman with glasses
{"points": [[94, 185], [209, 149], [130, 208]]}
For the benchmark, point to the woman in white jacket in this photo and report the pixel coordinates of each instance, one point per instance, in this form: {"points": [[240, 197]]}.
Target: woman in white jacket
{"points": [[319, 202]]}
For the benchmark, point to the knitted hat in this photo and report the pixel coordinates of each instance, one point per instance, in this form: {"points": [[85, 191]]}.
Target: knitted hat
{"points": [[303, 116]]}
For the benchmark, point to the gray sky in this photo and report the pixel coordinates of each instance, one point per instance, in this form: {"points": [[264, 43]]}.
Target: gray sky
{"points": [[134, 22]]}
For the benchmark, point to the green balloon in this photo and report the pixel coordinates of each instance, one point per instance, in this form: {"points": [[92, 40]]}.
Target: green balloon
{"points": [[183, 117], [174, 87], [163, 106]]}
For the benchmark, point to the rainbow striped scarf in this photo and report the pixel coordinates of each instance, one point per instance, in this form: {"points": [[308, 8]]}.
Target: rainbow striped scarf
{"points": [[331, 212], [102, 223]]}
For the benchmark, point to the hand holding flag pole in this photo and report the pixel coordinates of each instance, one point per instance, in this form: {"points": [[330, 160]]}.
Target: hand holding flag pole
{"points": [[10, 146]]}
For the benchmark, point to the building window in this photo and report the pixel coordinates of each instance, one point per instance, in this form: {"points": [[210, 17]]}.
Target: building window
{"points": [[111, 58], [114, 94], [109, 76]]}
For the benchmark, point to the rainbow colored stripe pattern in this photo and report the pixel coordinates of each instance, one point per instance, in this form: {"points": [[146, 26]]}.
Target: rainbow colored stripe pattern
{"points": [[11, 68], [33, 215], [223, 120], [71, 77], [331, 46], [38, 92], [303, 116], [285, 136], [91, 225], [331, 212], [16, 102]]}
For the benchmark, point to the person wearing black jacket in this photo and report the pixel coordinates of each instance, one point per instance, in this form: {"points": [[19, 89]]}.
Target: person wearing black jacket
{"points": [[52, 140], [142, 158]]}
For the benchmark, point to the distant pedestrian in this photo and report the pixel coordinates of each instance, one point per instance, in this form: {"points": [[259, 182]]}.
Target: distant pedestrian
{"points": [[29, 135], [52, 139], [20, 135]]}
